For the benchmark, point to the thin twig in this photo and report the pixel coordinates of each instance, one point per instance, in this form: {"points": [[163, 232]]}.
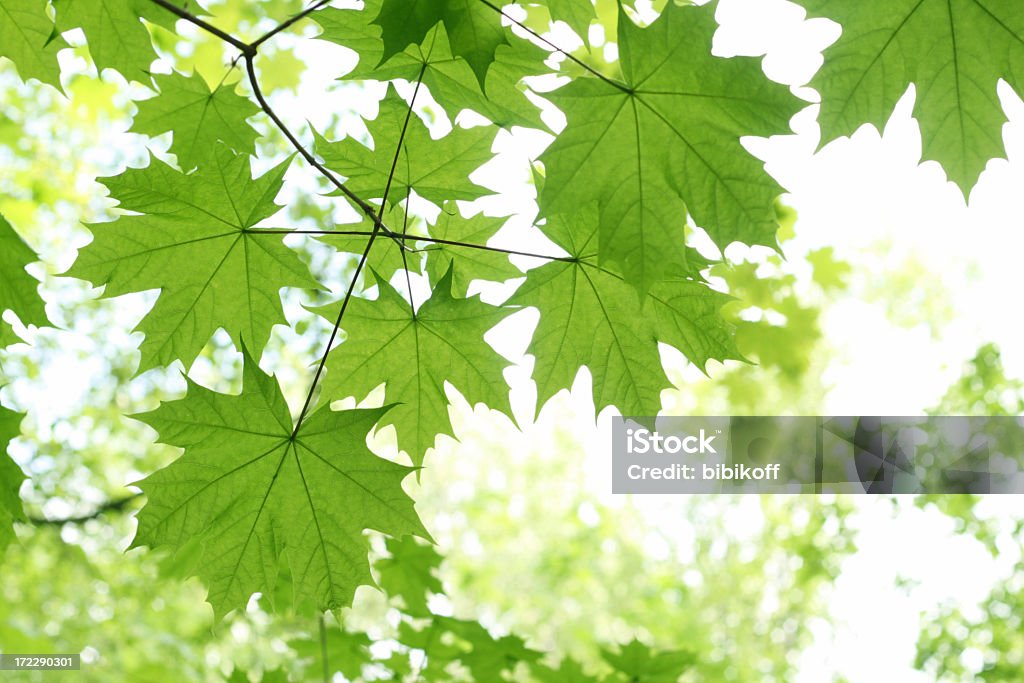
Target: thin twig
{"points": [[359, 268], [363, 205], [118, 505], [334, 332], [569, 55], [245, 48], [420, 238], [287, 24], [323, 649]]}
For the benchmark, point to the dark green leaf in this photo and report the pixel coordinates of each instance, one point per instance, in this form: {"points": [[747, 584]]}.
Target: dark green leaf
{"points": [[253, 490]]}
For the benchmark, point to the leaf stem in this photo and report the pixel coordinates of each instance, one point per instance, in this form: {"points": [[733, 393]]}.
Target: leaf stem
{"points": [[362, 259], [419, 238], [287, 24], [245, 48], [364, 206], [571, 57], [118, 505], [323, 649]]}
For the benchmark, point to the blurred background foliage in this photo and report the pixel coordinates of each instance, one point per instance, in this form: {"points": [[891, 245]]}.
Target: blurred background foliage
{"points": [[539, 563]]}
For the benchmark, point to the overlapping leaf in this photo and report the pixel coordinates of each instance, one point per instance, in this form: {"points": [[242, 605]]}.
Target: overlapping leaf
{"points": [[409, 573], [386, 256], [665, 141], [474, 28], [436, 170], [471, 264], [114, 30], [589, 316], [953, 51], [199, 117], [11, 477], [194, 240], [252, 489], [18, 289], [415, 355], [449, 79], [640, 664], [30, 40], [347, 652], [578, 14]]}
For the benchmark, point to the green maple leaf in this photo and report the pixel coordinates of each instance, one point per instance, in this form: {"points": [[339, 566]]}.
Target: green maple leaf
{"points": [[347, 652], [253, 489], [578, 14], [198, 116], [194, 240], [114, 30], [436, 170], [409, 574], [642, 665], [449, 79], [11, 477], [19, 291], [569, 671], [474, 28], [487, 656], [665, 141], [415, 355], [473, 264], [589, 316], [954, 51], [30, 40]]}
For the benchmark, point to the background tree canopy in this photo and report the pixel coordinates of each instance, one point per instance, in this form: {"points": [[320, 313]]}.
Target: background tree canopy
{"points": [[309, 309]]}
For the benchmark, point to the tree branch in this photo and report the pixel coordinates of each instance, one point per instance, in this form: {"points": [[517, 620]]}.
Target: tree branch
{"points": [[362, 259], [119, 505], [364, 206], [287, 24], [245, 48], [419, 238], [555, 48]]}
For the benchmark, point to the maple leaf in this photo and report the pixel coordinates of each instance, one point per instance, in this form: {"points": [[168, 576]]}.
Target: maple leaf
{"points": [[642, 665], [30, 40], [578, 14], [665, 141], [114, 30], [251, 487], [487, 656], [414, 355], [473, 264], [348, 652], [436, 170], [449, 79], [194, 240], [474, 28], [198, 116], [589, 316], [568, 671], [18, 290], [954, 51], [11, 477], [409, 574]]}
